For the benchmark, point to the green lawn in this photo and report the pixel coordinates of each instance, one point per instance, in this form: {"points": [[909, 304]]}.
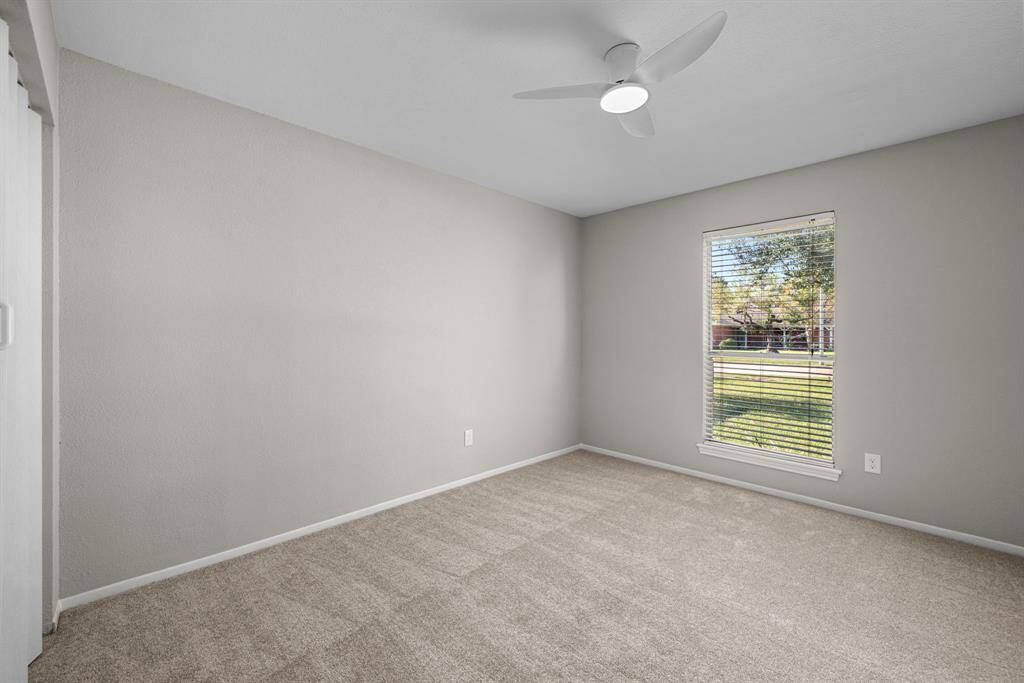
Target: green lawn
{"points": [[794, 408]]}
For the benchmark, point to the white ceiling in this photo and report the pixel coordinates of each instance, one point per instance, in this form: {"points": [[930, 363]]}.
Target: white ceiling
{"points": [[787, 83]]}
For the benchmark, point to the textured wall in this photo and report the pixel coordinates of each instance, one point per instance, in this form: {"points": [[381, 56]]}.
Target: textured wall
{"points": [[51, 374], [930, 238], [262, 327]]}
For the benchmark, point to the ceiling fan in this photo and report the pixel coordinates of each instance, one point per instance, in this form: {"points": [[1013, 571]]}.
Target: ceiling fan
{"points": [[626, 92]]}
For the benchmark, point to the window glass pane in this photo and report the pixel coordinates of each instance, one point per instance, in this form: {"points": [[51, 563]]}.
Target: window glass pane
{"points": [[784, 406]]}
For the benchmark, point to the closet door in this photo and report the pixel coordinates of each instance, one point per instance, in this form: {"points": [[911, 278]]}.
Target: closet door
{"points": [[20, 375]]}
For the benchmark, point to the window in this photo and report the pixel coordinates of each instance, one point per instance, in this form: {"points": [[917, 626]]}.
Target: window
{"points": [[769, 344]]}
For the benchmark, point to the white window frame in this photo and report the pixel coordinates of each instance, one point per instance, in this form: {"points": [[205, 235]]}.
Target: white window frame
{"points": [[792, 463]]}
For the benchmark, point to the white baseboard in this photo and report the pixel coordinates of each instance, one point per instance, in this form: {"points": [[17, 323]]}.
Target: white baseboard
{"points": [[54, 620], [989, 543], [161, 574]]}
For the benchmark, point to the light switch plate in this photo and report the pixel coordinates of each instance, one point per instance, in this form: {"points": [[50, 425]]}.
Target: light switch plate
{"points": [[469, 437]]}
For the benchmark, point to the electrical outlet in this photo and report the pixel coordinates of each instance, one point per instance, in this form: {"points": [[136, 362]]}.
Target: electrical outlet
{"points": [[469, 437], [873, 463]]}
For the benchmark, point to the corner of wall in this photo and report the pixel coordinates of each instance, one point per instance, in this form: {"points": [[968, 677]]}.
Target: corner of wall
{"points": [[580, 222]]}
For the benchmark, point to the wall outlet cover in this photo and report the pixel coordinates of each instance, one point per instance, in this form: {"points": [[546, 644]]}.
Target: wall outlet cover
{"points": [[469, 437], [873, 463]]}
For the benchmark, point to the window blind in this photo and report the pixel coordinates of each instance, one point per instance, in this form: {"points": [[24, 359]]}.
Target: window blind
{"points": [[769, 337]]}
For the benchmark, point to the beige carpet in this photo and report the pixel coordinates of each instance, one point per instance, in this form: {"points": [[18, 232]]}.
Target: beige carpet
{"points": [[582, 567]]}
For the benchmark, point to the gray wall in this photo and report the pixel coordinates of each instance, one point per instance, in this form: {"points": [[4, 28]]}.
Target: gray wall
{"points": [[262, 327], [930, 314], [51, 373]]}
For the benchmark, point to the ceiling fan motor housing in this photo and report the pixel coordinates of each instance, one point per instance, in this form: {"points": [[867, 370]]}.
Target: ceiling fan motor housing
{"points": [[621, 61]]}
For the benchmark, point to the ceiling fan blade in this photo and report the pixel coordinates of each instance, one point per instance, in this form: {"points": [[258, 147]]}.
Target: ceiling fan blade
{"points": [[638, 122], [589, 90], [681, 52]]}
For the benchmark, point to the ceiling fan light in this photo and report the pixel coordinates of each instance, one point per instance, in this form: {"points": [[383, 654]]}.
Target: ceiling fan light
{"points": [[624, 98]]}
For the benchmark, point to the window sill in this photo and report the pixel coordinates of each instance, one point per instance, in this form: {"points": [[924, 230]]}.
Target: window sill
{"points": [[753, 457]]}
